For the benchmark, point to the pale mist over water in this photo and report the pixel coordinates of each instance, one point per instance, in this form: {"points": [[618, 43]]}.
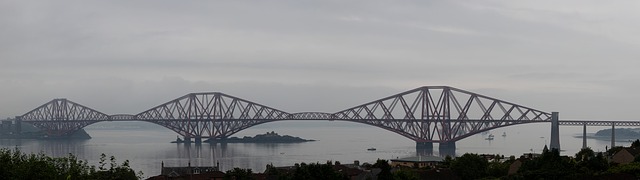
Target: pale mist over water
{"points": [[147, 145]]}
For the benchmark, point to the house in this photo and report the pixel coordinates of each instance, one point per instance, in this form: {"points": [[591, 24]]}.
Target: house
{"points": [[355, 173], [436, 174], [515, 166], [352, 171], [190, 172], [625, 155], [417, 161]]}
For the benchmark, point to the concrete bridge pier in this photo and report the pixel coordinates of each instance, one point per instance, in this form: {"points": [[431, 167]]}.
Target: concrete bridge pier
{"points": [[187, 139], [18, 125], [424, 148], [555, 131], [613, 134], [584, 136], [447, 148]]}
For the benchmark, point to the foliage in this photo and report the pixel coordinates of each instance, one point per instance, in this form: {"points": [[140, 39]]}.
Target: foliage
{"points": [[584, 154], [631, 168], [498, 169], [238, 174], [307, 171], [18, 165], [446, 163], [550, 165], [405, 174], [385, 173], [470, 166], [590, 163], [317, 171], [635, 144]]}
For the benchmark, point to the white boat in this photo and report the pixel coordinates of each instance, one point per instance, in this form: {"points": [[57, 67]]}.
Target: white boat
{"points": [[490, 137]]}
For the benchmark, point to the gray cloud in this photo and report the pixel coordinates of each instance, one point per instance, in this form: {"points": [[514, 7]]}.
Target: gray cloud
{"points": [[124, 56]]}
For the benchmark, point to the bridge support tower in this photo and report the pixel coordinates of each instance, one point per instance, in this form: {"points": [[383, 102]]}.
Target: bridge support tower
{"points": [[424, 148], [584, 136], [447, 148], [555, 131], [613, 134], [18, 125]]}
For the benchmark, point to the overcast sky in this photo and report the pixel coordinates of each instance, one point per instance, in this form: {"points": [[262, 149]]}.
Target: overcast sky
{"points": [[581, 58]]}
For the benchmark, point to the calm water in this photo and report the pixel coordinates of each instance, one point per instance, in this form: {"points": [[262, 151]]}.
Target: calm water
{"points": [[147, 145]]}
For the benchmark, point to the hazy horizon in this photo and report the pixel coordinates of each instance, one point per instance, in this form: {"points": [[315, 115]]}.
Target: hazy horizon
{"points": [[574, 57]]}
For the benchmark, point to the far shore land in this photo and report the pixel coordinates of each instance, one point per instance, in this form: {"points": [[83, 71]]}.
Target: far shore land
{"points": [[622, 134]]}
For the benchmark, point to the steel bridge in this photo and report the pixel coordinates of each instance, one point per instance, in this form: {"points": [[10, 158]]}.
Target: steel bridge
{"points": [[427, 115]]}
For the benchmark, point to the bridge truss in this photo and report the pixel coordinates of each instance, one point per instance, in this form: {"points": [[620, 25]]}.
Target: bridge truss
{"points": [[61, 117], [441, 114], [210, 115], [425, 114]]}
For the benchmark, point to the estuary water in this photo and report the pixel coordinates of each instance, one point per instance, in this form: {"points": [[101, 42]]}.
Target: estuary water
{"points": [[147, 145]]}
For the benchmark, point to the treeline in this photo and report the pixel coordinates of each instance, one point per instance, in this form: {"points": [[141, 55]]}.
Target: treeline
{"points": [[586, 164], [15, 164], [326, 171]]}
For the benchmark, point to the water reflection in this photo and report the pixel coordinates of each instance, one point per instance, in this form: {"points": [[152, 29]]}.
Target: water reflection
{"points": [[148, 148], [61, 148]]}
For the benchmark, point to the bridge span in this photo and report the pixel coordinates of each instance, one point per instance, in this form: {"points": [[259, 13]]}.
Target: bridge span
{"points": [[427, 115]]}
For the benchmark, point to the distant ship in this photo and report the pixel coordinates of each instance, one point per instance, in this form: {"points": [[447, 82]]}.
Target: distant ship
{"points": [[490, 137], [504, 134], [371, 149]]}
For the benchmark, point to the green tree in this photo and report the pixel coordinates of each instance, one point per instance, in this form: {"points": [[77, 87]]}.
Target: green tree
{"points": [[631, 168], [470, 166], [498, 169], [549, 166], [238, 174], [405, 174], [590, 164], [385, 173], [446, 163], [17, 165], [635, 144], [585, 154]]}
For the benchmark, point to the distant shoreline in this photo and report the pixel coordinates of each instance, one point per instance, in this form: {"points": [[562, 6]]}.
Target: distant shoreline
{"points": [[622, 134]]}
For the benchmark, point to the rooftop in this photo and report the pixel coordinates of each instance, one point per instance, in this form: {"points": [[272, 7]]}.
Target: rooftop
{"points": [[419, 159]]}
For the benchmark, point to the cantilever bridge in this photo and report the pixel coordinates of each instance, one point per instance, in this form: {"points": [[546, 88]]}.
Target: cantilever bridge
{"points": [[429, 114]]}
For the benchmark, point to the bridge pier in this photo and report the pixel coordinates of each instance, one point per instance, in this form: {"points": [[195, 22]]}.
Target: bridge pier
{"points": [[555, 131], [613, 134], [186, 139], [18, 125], [424, 148], [584, 136], [447, 148]]}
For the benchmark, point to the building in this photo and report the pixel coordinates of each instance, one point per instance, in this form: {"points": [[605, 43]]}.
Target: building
{"points": [[417, 161], [189, 170], [625, 155], [515, 166]]}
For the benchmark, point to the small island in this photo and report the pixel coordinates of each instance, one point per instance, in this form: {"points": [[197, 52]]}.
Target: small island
{"points": [[269, 137]]}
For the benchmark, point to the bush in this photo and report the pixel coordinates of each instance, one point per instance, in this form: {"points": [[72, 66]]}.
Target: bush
{"points": [[18, 165]]}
